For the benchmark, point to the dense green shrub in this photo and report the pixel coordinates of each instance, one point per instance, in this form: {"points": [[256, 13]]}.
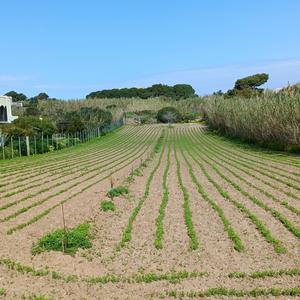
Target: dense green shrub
{"points": [[115, 192], [73, 239], [30, 126], [169, 115]]}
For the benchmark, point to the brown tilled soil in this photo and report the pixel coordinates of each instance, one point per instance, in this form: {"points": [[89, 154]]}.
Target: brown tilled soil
{"points": [[215, 255]]}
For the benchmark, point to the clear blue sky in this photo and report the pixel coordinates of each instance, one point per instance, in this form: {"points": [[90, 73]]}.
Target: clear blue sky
{"points": [[70, 48]]}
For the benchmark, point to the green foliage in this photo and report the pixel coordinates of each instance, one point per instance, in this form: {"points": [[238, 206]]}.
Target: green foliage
{"points": [[118, 191], [39, 297], [145, 116], [253, 81], [2, 292], [238, 245], [126, 237], [16, 97], [186, 206], [107, 205], [169, 115], [264, 274], [223, 291], [178, 91], [248, 86], [86, 117], [42, 96], [31, 126], [246, 119], [73, 239], [161, 213]]}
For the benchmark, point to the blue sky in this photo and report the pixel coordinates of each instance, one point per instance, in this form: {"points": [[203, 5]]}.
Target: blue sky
{"points": [[70, 48]]}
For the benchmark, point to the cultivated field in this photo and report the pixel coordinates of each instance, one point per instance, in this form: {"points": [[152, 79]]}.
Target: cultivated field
{"points": [[203, 218]]}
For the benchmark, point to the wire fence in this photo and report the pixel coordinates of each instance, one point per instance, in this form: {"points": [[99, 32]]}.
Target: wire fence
{"points": [[18, 146]]}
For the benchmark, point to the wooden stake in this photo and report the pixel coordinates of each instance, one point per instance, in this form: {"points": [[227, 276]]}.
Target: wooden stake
{"points": [[111, 182], [64, 226]]}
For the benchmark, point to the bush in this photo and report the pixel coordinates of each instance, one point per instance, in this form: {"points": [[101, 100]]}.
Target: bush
{"points": [[107, 205], [73, 239], [115, 192], [169, 115]]}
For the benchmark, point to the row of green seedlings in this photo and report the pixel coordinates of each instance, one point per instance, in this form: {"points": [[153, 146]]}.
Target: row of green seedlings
{"points": [[164, 202], [248, 157], [40, 202], [108, 205], [232, 235], [126, 236], [69, 167], [261, 190], [278, 247], [223, 291], [60, 162], [288, 224], [263, 171], [273, 156], [171, 276], [56, 185], [47, 211], [84, 170], [186, 206], [245, 169], [50, 159]]}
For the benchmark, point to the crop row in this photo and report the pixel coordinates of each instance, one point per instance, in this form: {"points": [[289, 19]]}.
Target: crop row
{"points": [[111, 165]]}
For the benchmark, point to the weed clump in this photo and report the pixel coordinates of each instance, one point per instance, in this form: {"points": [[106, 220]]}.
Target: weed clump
{"points": [[68, 241], [118, 191], [107, 205]]}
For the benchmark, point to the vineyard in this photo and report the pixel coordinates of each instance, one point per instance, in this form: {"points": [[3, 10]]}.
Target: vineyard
{"points": [[173, 212]]}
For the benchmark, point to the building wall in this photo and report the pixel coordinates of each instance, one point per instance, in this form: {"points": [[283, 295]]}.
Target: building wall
{"points": [[5, 103]]}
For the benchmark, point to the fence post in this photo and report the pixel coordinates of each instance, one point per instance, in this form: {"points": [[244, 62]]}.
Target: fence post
{"points": [[27, 146], [12, 147], [34, 144], [42, 142], [20, 150], [3, 149]]}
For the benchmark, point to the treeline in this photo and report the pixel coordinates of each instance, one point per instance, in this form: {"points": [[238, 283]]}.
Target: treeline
{"points": [[20, 97], [178, 91]]}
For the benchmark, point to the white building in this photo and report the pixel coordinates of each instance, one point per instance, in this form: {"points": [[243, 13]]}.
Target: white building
{"points": [[5, 110]]}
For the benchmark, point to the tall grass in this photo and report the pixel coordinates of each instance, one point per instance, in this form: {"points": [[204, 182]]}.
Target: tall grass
{"points": [[52, 108], [272, 119]]}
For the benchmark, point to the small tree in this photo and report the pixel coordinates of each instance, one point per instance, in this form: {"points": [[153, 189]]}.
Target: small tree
{"points": [[169, 115], [248, 86], [16, 97]]}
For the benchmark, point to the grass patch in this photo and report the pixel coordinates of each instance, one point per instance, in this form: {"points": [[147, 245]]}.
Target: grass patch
{"points": [[222, 291], [2, 292], [39, 297], [107, 205], [72, 240], [118, 191], [264, 274]]}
